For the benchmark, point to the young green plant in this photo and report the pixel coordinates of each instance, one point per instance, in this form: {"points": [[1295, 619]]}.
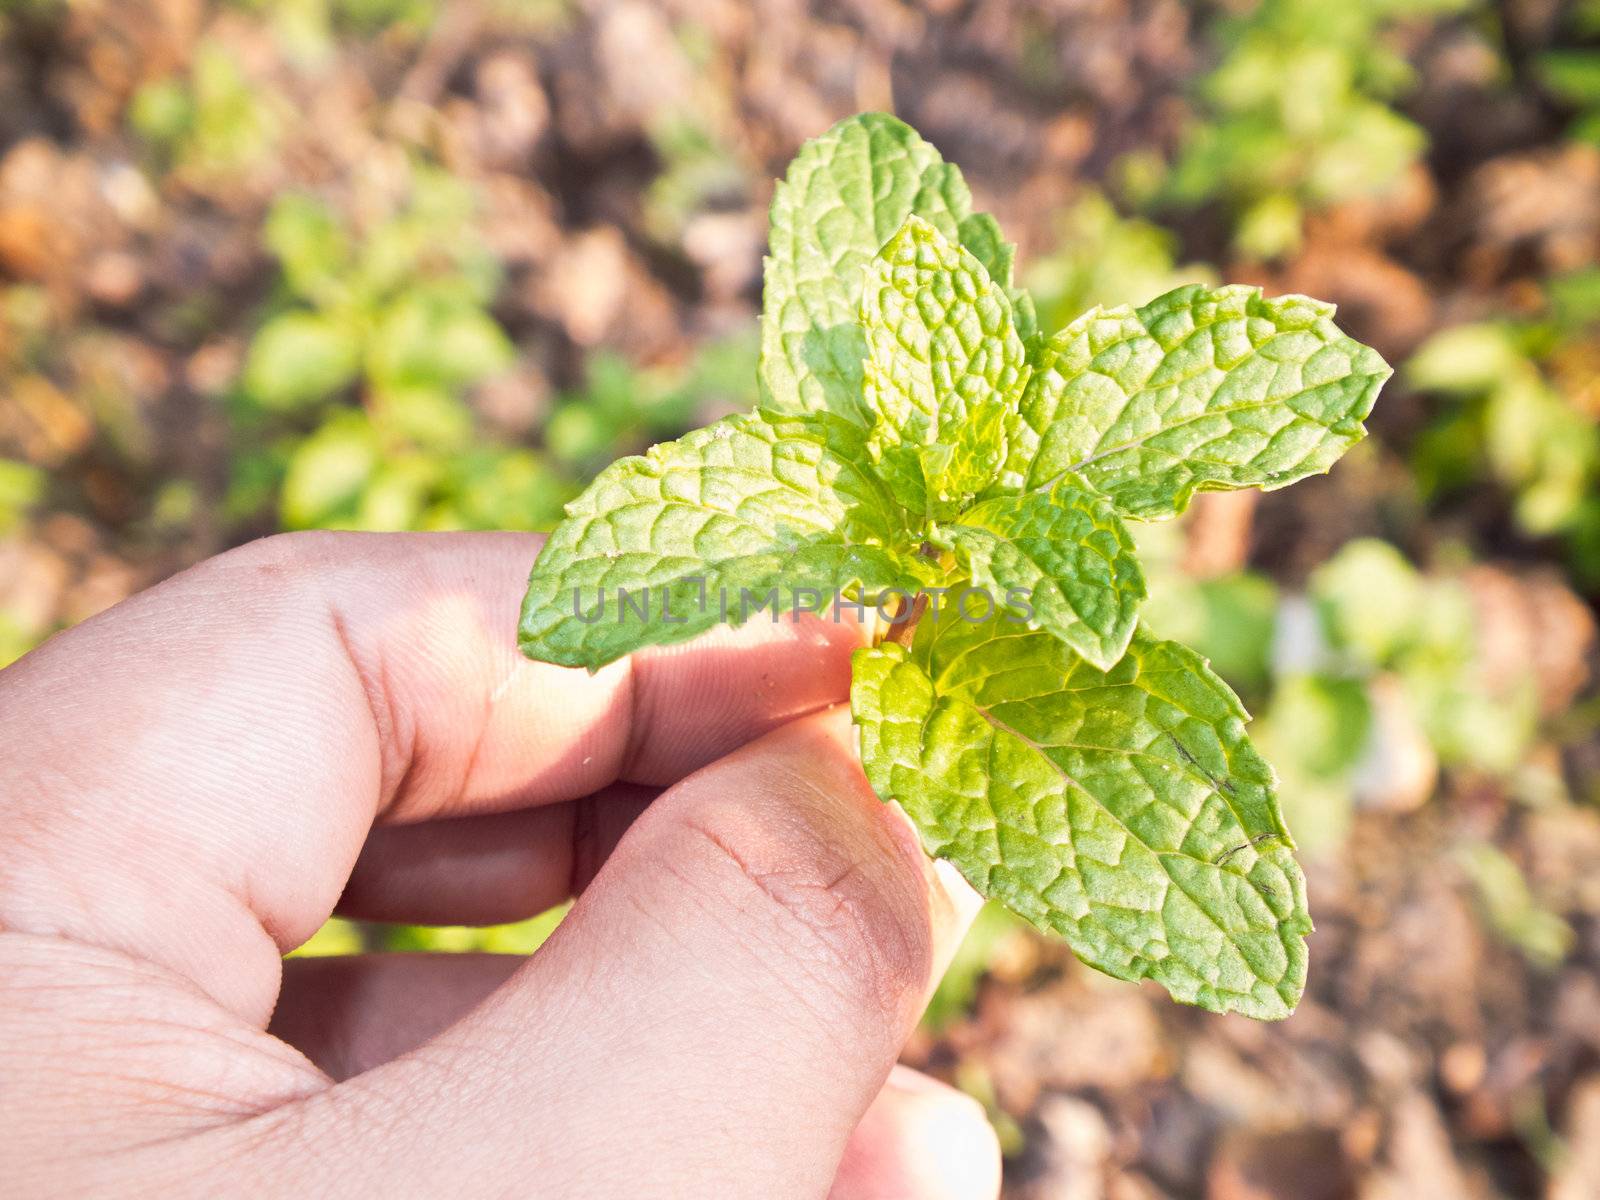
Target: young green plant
{"points": [[916, 432]]}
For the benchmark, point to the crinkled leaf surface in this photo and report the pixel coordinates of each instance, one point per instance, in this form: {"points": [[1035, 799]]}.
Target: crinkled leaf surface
{"points": [[1202, 389], [845, 195], [1069, 552], [755, 502], [1125, 810], [944, 368], [1094, 779]]}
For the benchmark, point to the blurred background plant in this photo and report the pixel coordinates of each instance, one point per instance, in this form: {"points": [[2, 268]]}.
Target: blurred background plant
{"points": [[1571, 74], [430, 264], [351, 408], [1299, 113]]}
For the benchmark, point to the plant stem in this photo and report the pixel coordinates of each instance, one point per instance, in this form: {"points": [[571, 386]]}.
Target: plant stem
{"points": [[904, 624]]}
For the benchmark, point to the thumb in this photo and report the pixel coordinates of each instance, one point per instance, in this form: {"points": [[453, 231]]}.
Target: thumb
{"points": [[714, 1016]]}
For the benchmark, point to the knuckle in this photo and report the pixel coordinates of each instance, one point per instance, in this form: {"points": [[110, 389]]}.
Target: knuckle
{"points": [[291, 569], [832, 908], [279, 555]]}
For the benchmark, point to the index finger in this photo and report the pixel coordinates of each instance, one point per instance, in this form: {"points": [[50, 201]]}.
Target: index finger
{"points": [[190, 776]]}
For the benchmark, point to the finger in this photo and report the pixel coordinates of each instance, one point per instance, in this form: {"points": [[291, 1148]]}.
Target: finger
{"points": [[492, 868], [349, 1014], [920, 1140], [761, 942], [189, 777]]}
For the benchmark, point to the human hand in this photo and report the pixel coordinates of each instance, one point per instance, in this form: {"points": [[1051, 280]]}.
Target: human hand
{"points": [[192, 782]]}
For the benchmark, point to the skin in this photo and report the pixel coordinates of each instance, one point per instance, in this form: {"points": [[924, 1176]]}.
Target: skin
{"points": [[193, 781]]}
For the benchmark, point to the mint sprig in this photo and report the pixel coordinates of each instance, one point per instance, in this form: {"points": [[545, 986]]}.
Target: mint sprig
{"points": [[915, 432]]}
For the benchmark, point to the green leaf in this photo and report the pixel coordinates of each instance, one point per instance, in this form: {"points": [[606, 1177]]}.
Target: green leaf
{"points": [[328, 471], [980, 236], [427, 415], [1573, 75], [300, 358], [1124, 810], [437, 336], [1069, 553], [22, 485], [944, 367], [311, 245], [757, 507], [161, 112], [509, 489], [846, 193], [1372, 601], [1202, 389], [394, 497]]}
